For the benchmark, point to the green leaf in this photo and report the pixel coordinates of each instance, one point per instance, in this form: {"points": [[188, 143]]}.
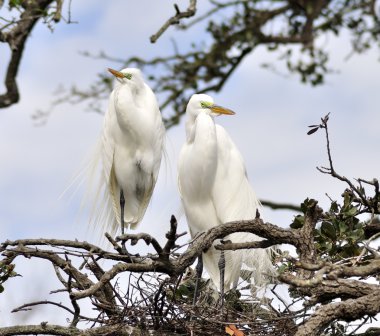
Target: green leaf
{"points": [[347, 198], [183, 291], [351, 212], [350, 251], [282, 268], [328, 246], [307, 204], [313, 130], [328, 230], [14, 3], [342, 227], [1, 288], [334, 206], [298, 222], [357, 235]]}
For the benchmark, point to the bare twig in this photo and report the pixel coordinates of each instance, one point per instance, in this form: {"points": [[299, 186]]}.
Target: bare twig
{"points": [[281, 206], [28, 306], [331, 171], [176, 19]]}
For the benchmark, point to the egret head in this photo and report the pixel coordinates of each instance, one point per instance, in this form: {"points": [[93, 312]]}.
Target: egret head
{"points": [[128, 76], [203, 103]]}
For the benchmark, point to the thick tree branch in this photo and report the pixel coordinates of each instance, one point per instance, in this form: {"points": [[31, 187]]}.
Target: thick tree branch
{"points": [[333, 271], [47, 329], [161, 263], [329, 280], [306, 247], [247, 245], [319, 287], [348, 310], [16, 38]]}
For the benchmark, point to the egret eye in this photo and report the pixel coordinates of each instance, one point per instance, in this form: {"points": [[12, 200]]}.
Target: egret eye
{"points": [[128, 76], [205, 104]]}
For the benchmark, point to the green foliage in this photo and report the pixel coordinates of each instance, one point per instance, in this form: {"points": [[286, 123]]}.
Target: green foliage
{"points": [[341, 231], [15, 3], [234, 30], [185, 291], [6, 272], [299, 220]]}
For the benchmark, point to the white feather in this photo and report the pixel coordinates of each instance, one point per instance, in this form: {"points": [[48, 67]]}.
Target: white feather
{"points": [[129, 152], [215, 189]]}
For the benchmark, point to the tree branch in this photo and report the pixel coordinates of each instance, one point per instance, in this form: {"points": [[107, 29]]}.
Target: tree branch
{"points": [[47, 329], [348, 310], [176, 19], [247, 245], [280, 206], [16, 39]]}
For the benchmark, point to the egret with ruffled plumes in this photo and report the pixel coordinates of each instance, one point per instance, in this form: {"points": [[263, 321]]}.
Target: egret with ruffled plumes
{"points": [[130, 151], [215, 189]]}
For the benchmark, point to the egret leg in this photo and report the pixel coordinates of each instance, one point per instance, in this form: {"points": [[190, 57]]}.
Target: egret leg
{"points": [[198, 274], [122, 205], [222, 266]]}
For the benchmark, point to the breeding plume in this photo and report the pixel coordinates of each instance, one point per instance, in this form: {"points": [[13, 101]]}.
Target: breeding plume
{"points": [[130, 152], [215, 189]]}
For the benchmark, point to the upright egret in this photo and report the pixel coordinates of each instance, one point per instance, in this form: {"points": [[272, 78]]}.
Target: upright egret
{"points": [[215, 189], [130, 151]]}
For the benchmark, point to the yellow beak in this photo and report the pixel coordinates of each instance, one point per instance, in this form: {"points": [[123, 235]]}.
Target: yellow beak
{"points": [[221, 110], [116, 73]]}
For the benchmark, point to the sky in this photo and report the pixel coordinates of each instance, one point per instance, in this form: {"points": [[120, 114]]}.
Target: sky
{"points": [[37, 163]]}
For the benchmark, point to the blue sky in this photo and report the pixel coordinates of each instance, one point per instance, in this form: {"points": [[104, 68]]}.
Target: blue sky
{"points": [[38, 163]]}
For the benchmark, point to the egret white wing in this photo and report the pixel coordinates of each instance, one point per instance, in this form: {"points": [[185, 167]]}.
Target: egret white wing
{"points": [[235, 199], [196, 173], [233, 196]]}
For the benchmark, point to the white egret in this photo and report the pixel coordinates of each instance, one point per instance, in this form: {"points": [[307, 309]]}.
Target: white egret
{"points": [[130, 151], [215, 189]]}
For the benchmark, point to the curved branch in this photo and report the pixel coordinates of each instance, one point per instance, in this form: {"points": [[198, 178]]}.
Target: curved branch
{"points": [[62, 243], [348, 310], [16, 38], [27, 306], [81, 280]]}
